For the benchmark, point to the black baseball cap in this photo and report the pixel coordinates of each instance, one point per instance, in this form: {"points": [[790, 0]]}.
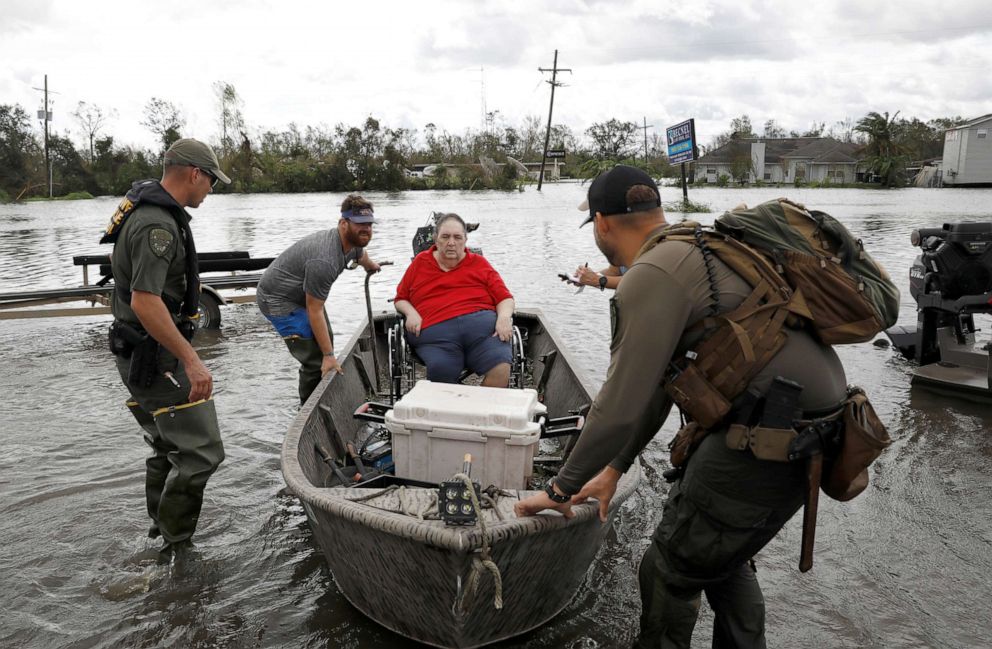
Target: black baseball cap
{"points": [[608, 192]]}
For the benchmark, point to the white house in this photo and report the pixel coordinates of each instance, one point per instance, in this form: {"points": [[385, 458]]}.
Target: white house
{"points": [[968, 153]]}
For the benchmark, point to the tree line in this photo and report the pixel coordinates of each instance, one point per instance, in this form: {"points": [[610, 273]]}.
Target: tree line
{"points": [[374, 156]]}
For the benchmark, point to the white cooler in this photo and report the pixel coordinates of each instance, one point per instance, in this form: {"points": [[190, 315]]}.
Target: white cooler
{"points": [[435, 424]]}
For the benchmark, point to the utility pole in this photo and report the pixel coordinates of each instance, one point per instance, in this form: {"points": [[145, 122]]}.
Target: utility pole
{"points": [[547, 137], [645, 129], [46, 114]]}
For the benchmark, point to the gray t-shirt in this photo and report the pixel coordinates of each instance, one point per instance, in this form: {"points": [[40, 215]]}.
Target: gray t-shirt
{"points": [[308, 267]]}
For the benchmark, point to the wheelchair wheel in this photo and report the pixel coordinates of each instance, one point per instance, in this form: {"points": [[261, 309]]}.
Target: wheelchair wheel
{"points": [[518, 362]]}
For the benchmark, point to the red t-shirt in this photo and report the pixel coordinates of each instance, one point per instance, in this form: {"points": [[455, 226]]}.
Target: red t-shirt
{"points": [[438, 295]]}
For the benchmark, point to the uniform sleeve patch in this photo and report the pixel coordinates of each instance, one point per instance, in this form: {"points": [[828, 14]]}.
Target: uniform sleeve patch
{"points": [[160, 241]]}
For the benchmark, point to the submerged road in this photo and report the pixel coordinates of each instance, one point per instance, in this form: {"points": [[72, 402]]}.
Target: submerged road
{"points": [[905, 565]]}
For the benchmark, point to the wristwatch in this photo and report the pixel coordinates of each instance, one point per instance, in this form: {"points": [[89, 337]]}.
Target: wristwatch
{"points": [[554, 495], [602, 282]]}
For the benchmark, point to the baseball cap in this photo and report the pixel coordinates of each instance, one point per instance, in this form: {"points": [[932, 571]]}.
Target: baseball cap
{"points": [[193, 153], [359, 215], [608, 192]]}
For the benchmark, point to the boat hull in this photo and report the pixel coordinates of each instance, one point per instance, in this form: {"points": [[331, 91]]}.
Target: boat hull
{"points": [[411, 575]]}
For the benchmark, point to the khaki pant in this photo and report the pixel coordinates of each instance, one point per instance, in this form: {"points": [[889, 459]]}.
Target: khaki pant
{"points": [[727, 506], [186, 449]]}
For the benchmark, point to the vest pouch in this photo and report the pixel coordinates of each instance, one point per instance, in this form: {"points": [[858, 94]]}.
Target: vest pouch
{"points": [[685, 442], [697, 397], [771, 444], [863, 439]]}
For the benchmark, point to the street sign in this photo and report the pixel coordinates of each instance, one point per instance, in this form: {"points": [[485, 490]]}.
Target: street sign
{"points": [[682, 142], [556, 153]]}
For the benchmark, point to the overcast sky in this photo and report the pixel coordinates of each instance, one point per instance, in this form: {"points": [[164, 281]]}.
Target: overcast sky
{"points": [[410, 63]]}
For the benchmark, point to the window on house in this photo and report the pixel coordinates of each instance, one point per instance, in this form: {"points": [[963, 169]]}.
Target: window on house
{"points": [[710, 171], [768, 175], [983, 133], [800, 172]]}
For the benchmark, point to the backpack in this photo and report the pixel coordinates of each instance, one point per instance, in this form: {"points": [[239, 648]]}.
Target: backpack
{"points": [[850, 297], [806, 270]]}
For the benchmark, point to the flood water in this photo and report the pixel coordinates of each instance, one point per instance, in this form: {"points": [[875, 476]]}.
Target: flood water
{"points": [[907, 564]]}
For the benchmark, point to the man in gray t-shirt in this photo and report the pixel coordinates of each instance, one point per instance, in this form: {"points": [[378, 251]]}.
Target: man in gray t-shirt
{"points": [[293, 289]]}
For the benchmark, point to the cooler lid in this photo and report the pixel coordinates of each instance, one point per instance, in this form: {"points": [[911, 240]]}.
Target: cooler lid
{"points": [[452, 405]]}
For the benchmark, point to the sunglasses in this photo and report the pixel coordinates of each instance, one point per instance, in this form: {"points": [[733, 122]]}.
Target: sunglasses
{"points": [[213, 178]]}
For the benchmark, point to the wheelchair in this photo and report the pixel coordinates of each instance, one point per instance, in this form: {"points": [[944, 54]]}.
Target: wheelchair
{"points": [[404, 362]]}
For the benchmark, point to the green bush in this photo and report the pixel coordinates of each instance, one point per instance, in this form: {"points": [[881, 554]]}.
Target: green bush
{"points": [[76, 196], [687, 206], [4, 197], [723, 180]]}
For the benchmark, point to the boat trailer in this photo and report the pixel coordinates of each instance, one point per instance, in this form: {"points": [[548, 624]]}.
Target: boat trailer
{"points": [[237, 264]]}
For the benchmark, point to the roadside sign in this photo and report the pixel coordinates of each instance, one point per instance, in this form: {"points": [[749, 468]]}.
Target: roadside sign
{"points": [[556, 153], [682, 142]]}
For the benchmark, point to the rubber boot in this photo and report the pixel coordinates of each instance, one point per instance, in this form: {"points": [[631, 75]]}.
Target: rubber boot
{"points": [[192, 432], [156, 465], [307, 352]]}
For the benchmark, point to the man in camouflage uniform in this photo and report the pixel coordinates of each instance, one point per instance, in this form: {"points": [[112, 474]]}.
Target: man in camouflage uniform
{"points": [[156, 289], [727, 504]]}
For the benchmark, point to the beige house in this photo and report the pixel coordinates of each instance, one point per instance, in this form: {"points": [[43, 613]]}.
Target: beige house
{"points": [[781, 160]]}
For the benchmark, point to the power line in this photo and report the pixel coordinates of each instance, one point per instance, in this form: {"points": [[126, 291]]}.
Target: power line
{"points": [[46, 114], [554, 70], [645, 129]]}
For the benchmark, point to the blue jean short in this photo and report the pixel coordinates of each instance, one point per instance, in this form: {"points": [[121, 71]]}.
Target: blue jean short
{"points": [[296, 323], [467, 341]]}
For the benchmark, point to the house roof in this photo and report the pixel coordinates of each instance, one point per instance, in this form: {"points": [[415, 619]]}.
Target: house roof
{"points": [[978, 121], [825, 150], [817, 149]]}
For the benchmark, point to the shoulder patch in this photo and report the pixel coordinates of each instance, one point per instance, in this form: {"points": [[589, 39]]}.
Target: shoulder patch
{"points": [[160, 241]]}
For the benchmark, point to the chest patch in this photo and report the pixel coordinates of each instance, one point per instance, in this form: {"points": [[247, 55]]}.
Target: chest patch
{"points": [[160, 241]]}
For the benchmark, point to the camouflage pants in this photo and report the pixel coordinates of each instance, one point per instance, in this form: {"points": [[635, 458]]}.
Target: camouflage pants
{"points": [[726, 507], [186, 449]]}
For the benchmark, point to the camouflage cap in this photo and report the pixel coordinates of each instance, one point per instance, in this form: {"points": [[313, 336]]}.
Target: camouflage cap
{"points": [[193, 153]]}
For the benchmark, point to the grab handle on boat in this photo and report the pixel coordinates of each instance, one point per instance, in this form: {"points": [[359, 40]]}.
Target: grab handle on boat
{"points": [[562, 426], [372, 411]]}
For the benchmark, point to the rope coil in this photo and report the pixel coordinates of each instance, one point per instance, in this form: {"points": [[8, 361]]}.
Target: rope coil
{"points": [[484, 561]]}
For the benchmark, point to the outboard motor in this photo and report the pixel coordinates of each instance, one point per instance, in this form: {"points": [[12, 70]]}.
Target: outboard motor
{"points": [[956, 260], [950, 281]]}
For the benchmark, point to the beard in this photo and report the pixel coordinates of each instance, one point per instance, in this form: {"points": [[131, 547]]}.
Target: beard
{"points": [[608, 251], [355, 238]]}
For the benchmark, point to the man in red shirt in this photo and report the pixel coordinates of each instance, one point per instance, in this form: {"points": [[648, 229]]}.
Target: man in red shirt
{"points": [[458, 311]]}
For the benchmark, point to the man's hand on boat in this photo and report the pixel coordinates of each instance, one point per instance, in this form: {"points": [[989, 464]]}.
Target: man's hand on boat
{"points": [[601, 488], [330, 364], [538, 503]]}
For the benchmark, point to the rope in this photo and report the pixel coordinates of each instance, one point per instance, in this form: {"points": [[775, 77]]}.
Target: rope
{"points": [[486, 498], [373, 495], [484, 561]]}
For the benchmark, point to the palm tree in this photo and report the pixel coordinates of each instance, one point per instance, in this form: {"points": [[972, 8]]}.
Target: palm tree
{"points": [[885, 156]]}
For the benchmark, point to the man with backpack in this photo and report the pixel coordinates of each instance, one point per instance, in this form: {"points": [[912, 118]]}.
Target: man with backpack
{"points": [[685, 326]]}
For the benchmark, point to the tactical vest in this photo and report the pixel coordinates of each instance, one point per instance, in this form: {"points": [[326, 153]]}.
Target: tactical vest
{"points": [[151, 192]]}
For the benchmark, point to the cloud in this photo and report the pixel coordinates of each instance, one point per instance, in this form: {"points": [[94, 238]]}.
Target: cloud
{"points": [[22, 15]]}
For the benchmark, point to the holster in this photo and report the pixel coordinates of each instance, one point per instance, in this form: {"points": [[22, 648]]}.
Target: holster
{"points": [[123, 337]]}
